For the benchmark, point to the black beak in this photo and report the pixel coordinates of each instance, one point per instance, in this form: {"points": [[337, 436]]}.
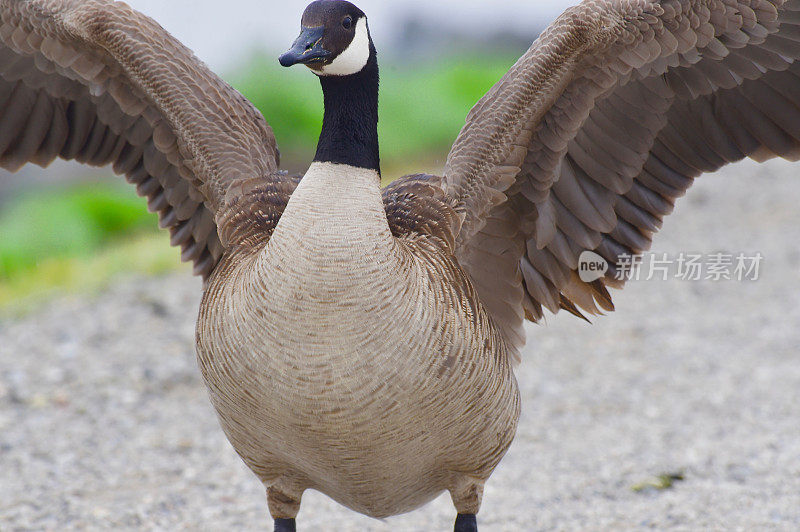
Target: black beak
{"points": [[306, 48]]}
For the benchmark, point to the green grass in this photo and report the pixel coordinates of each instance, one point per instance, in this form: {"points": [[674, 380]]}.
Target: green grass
{"points": [[76, 237], [64, 221], [147, 253], [661, 482]]}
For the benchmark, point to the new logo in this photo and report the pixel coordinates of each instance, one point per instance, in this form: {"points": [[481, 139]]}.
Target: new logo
{"points": [[591, 266]]}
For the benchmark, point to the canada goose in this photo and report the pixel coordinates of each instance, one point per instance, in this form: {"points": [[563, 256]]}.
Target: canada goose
{"points": [[584, 145]]}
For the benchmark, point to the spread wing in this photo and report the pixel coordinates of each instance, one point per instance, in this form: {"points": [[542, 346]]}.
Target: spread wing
{"points": [[98, 82], [588, 140]]}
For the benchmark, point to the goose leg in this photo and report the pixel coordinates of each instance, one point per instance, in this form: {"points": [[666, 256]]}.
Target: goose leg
{"points": [[285, 525], [466, 523], [284, 503], [467, 492]]}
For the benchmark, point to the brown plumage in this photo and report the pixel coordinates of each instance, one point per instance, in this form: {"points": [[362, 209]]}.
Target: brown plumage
{"points": [[361, 342], [593, 134]]}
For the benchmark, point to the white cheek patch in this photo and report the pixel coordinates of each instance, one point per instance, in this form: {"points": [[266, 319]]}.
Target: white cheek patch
{"points": [[354, 57]]}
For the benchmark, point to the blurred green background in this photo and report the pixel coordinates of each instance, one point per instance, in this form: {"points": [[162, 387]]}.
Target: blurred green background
{"points": [[75, 234]]}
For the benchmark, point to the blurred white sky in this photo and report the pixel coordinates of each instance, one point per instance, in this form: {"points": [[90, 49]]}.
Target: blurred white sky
{"points": [[220, 31]]}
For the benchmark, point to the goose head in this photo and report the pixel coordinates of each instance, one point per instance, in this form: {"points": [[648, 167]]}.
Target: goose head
{"points": [[334, 40], [335, 44]]}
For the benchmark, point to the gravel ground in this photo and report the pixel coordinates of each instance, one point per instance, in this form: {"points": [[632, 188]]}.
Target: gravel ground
{"points": [[104, 422]]}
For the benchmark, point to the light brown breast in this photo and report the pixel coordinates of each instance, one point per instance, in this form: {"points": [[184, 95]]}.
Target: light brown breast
{"points": [[348, 361]]}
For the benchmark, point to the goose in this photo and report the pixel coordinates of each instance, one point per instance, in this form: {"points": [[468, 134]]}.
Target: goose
{"points": [[361, 341]]}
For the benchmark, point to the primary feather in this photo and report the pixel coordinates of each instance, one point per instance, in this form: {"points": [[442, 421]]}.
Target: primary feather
{"points": [[595, 132]]}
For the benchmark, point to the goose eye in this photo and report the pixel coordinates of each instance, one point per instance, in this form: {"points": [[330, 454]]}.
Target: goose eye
{"points": [[347, 23]]}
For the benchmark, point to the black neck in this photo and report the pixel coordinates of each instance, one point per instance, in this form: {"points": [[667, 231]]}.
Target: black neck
{"points": [[350, 127]]}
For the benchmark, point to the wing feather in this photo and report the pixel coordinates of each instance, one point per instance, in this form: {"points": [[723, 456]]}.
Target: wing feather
{"points": [[619, 106], [98, 82]]}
